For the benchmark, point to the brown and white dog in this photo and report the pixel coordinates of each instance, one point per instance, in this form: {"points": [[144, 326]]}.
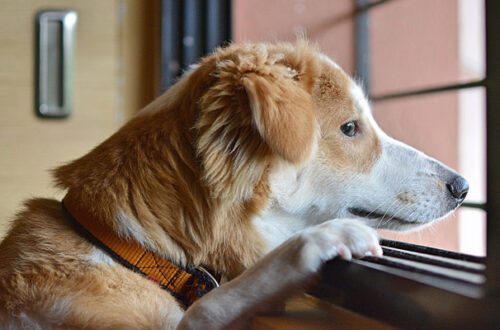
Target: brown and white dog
{"points": [[261, 163]]}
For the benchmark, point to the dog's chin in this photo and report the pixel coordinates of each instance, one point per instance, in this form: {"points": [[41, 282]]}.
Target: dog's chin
{"points": [[390, 222]]}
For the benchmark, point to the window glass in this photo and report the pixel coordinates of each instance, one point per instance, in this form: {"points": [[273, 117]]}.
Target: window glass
{"points": [[417, 44], [325, 22]]}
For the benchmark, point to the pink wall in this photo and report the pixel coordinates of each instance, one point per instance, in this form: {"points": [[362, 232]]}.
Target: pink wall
{"points": [[414, 44]]}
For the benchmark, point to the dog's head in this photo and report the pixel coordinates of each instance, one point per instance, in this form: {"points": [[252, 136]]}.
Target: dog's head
{"points": [[259, 127], [252, 130], [328, 157]]}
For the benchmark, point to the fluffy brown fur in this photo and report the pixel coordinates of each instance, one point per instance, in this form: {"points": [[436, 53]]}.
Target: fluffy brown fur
{"points": [[190, 172]]}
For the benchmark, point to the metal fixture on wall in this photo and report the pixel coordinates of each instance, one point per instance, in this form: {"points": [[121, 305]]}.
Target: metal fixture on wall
{"points": [[55, 60]]}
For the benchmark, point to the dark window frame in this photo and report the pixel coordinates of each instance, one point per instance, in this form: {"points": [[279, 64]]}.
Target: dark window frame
{"points": [[190, 29]]}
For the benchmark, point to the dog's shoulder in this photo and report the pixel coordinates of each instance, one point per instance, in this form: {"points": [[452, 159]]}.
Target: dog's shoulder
{"points": [[49, 271], [41, 240]]}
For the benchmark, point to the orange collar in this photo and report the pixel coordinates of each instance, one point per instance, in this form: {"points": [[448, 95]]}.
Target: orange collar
{"points": [[185, 284]]}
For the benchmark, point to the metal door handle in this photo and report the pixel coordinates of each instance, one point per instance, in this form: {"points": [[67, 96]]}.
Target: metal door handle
{"points": [[55, 61]]}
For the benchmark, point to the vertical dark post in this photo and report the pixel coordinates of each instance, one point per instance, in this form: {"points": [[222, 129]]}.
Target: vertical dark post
{"points": [[362, 44], [189, 30], [171, 42], [492, 11], [218, 23], [193, 39]]}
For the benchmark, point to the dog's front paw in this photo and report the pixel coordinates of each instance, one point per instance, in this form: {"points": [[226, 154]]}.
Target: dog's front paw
{"points": [[343, 238]]}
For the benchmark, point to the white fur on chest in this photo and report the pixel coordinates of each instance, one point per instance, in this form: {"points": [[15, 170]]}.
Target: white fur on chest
{"points": [[288, 211], [276, 227]]}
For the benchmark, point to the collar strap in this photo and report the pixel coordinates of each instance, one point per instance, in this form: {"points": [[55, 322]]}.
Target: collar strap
{"points": [[185, 284]]}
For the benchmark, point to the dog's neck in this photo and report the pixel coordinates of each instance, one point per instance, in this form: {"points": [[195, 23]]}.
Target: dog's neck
{"points": [[277, 226], [148, 188], [168, 180]]}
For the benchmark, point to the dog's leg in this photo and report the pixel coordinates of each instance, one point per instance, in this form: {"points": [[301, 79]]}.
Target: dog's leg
{"points": [[279, 274]]}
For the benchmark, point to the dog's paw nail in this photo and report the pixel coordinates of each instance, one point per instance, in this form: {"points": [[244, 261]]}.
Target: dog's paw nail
{"points": [[377, 251]]}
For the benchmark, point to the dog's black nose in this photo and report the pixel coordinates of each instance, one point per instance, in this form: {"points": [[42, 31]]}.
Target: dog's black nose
{"points": [[458, 188]]}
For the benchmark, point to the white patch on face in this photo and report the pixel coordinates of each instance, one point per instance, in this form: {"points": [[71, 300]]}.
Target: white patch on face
{"points": [[405, 186], [359, 99], [404, 189]]}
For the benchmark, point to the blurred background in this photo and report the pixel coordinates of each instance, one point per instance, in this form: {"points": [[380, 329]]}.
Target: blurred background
{"points": [[421, 62]]}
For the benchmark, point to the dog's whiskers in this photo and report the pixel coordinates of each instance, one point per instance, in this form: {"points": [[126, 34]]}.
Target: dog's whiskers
{"points": [[380, 205], [398, 211], [387, 210]]}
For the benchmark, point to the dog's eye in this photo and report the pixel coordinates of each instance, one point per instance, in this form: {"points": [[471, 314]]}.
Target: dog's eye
{"points": [[349, 128]]}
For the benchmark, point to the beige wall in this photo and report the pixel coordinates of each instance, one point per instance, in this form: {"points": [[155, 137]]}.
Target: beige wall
{"points": [[113, 78]]}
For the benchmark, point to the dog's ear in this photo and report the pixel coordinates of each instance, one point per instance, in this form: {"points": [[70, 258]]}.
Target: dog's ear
{"points": [[256, 105], [282, 111]]}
